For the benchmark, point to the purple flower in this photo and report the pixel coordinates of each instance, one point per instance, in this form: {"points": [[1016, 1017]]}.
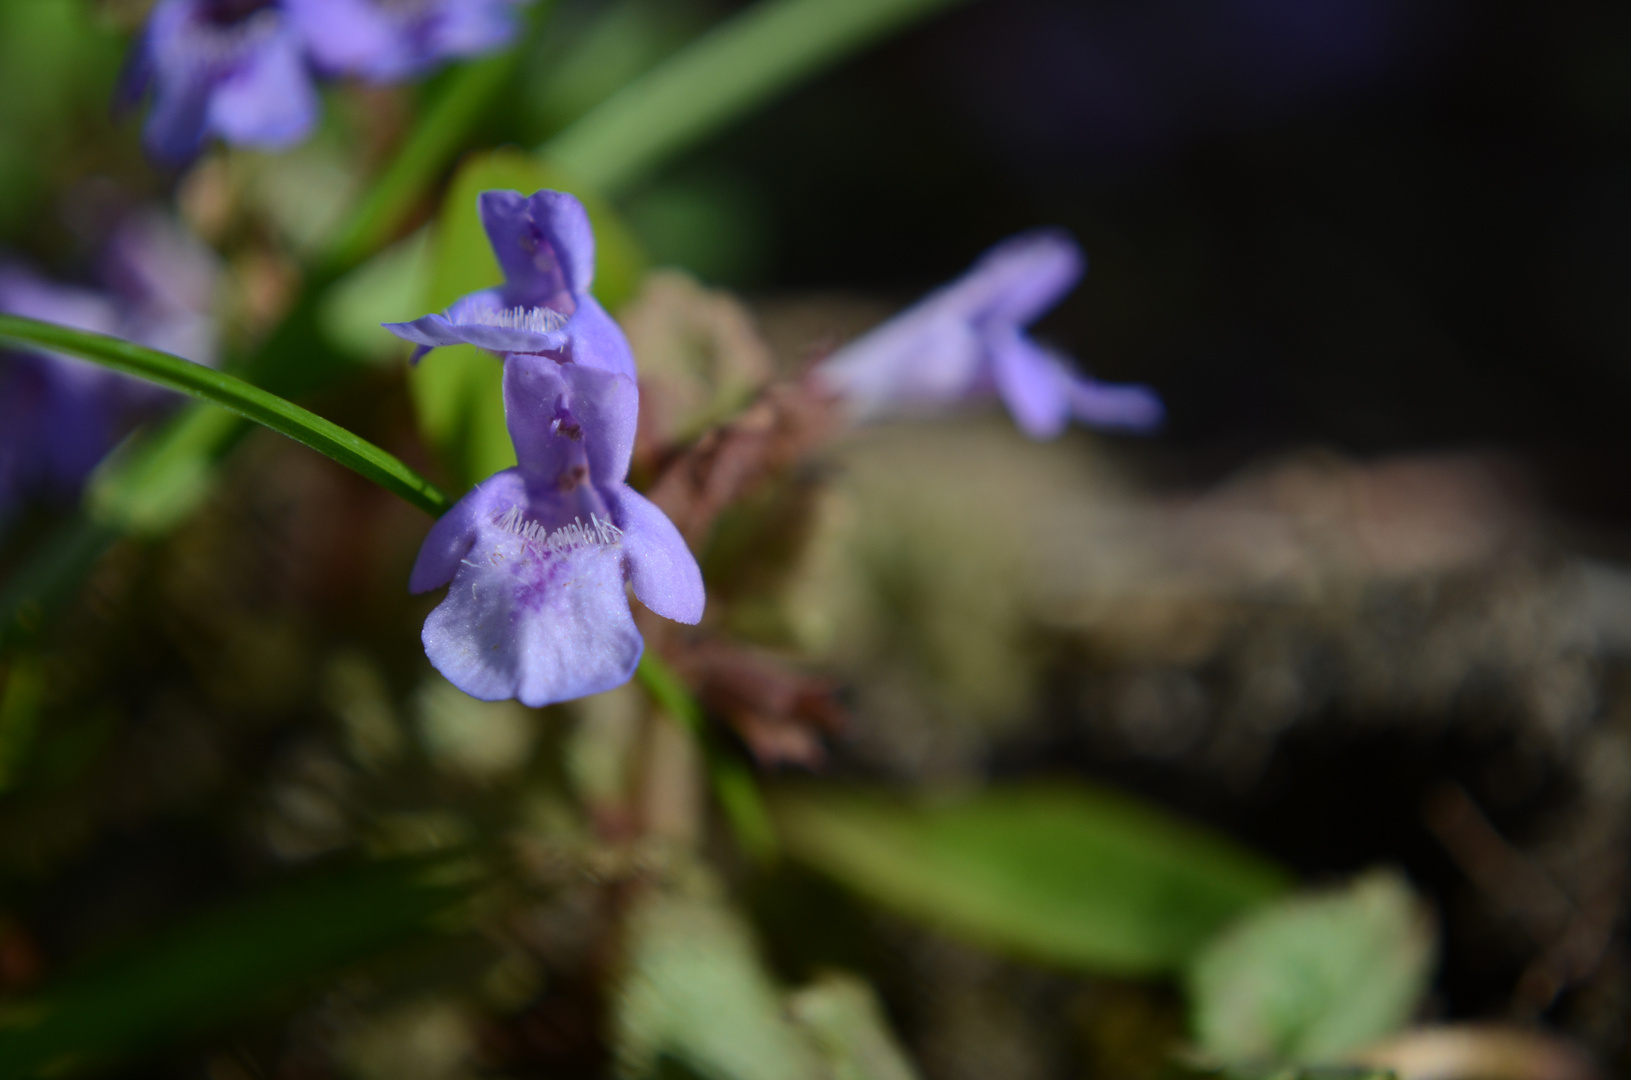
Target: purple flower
{"points": [[547, 251], [230, 68], [387, 40], [538, 555], [967, 340], [59, 415], [242, 70]]}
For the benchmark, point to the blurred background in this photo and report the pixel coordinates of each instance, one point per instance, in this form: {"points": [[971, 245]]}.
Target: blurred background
{"points": [[1364, 604]]}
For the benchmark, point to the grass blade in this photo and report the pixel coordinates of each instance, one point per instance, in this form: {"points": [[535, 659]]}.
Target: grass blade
{"points": [[743, 62], [234, 395]]}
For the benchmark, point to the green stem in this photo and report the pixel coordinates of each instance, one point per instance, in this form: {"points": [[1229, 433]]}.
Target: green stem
{"points": [[733, 782], [435, 140]]}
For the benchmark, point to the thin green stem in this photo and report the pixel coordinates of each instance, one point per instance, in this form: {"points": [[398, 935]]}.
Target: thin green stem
{"points": [[739, 65], [733, 783]]}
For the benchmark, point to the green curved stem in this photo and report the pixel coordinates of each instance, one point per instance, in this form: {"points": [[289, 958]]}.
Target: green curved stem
{"points": [[234, 395]]}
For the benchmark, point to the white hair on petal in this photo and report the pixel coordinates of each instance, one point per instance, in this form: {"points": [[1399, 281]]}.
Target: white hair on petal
{"points": [[539, 320], [567, 538]]}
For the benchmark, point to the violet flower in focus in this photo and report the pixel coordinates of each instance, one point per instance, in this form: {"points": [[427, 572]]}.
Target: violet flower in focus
{"points": [[547, 251], [235, 69], [538, 555], [387, 40], [60, 415], [966, 340]]}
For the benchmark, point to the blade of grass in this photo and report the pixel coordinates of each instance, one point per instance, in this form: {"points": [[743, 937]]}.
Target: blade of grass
{"points": [[733, 783], [235, 395], [738, 65]]}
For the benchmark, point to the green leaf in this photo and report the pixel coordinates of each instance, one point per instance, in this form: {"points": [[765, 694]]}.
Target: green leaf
{"points": [[157, 478], [844, 1019], [458, 391], [741, 63], [1314, 976], [379, 291], [695, 990], [1070, 875], [1196, 1071], [221, 965], [234, 395]]}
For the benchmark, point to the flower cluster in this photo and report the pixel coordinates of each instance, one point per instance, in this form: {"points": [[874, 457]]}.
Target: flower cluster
{"points": [[245, 70], [60, 415], [966, 340]]}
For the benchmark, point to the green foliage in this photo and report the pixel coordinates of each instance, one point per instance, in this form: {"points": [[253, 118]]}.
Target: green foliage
{"points": [[1313, 976], [221, 965], [235, 395], [154, 481], [743, 62], [1278, 1072], [843, 1017], [56, 61], [696, 992], [1070, 875], [458, 391]]}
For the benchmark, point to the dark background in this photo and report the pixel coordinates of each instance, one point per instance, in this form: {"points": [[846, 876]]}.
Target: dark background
{"points": [[1378, 225]]}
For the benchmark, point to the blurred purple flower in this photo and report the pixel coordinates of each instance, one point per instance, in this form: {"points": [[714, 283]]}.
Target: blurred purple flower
{"points": [[243, 70], [547, 251], [966, 340], [387, 40], [538, 555], [230, 68], [59, 415]]}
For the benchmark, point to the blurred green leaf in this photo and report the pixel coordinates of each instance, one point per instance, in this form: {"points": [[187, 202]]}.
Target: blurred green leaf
{"points": [[1185, 1071], [458, 392], [56, 59], [741, 63], [601, 50], [235, 395], [1072, 875], [159, 477], [843, 1018], [1313, 976], [221, 965], [695, 990], [388, 288]]}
